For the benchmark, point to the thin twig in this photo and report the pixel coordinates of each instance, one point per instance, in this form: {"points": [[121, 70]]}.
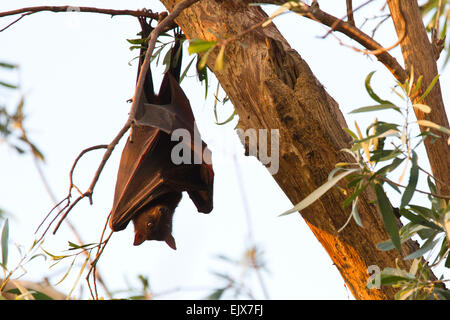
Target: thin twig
{"points": [[422, 169], [68, 222], [112, 12], [15, 21], [438, 15], [82, 153], [332, 28], [31, 10], [69, 194], [350, 18], [99, 170], [421, 191], [372, 46]]}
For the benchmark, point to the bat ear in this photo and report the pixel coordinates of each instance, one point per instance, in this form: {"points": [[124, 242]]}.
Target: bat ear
{"points": [[138, 238], [171, 242]]}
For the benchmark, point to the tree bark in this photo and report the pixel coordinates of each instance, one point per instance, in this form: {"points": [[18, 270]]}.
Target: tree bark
{"points": [[418, 54], [272, 87]]}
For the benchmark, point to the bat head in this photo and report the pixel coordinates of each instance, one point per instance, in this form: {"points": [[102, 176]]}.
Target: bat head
{"points": [[155, 221]]}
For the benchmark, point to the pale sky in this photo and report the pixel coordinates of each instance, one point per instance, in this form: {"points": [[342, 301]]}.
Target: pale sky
{"points": [[75, 76]]}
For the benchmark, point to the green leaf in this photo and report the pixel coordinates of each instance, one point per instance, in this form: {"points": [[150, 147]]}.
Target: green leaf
{"points": [[371, 93], [427, 246], [430, 124], [446, 223], [4, 242], [385, 245], [426, 213], [67, 271], [74, 246], [447, 261], [418, 219], [384, 155], [391, 276], [177, 55], [316, 194], [377, 107], [200, 45], [202, 74], [228, 119], [431, 185], [387, 214], [417, 86], [186, 69], [220, 59], [412, 183], [156, 54], [135, 47], [8, 65], [167, 60], [390, 167], [383, 130], [54, 257], [354, 195], [8, 85], [217, 294], [355, 213], [144, 281], [204, 59], [350, 132], [36, 294], [137, 41], [430, 87]]}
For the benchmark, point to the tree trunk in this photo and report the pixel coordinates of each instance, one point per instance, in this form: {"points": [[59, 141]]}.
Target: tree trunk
{"points": [[418, 54], [272, 87]]}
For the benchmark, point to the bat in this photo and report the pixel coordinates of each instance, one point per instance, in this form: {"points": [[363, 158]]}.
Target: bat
{"points": [[149, 184]]}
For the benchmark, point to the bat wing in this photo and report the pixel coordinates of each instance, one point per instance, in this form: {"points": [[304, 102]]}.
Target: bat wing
{"points": [[173, 113], [170, 111], [140, 177]]}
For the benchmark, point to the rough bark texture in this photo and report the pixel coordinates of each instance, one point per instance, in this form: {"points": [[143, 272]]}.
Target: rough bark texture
{"points": [[271, 87], [418, 53]]}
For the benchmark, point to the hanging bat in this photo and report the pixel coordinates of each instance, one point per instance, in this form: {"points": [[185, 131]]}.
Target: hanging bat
{"points": [[149, 185]]}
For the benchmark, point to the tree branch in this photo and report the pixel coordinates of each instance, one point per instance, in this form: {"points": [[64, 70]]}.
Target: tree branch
{"points": [[316, 14], [112, 12], [31, 10], [417, 51], [350, 18]]}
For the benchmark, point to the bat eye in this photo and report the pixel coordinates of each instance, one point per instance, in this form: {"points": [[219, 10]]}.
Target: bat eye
{"points": [[149, 224]]}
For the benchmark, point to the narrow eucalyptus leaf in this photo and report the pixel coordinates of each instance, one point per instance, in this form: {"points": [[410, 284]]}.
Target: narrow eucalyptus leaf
{"points": [[412, 183], [355, 213], [387, 214], [370, 91], [8, 65], [4, 243], [199, 45], [390, 276], [430, 87], [427, 246], [377, 107], [186, 69], [316, 194]]}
